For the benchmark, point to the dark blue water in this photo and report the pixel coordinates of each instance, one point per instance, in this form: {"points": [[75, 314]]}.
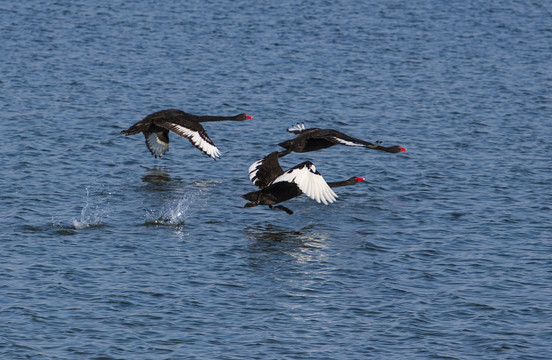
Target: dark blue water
{"points": [[445, 252]]}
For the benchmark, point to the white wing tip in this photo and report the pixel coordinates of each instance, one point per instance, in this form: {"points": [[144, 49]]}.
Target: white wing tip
{"points": [[209, 150], [215, 154], [254, 169], [297, 127]]}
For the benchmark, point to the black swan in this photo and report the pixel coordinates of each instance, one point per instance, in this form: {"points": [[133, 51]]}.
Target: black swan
{"points": [[277, 186], [316, 139], [156, 128]]}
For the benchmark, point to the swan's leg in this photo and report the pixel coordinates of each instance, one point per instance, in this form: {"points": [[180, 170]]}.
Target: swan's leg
{"points": [[281, 207]]}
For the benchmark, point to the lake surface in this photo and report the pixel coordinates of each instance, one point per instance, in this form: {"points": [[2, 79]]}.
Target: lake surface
{"points": [[445, 252]]}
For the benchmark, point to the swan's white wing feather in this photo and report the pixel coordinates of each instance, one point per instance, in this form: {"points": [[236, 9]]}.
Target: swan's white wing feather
{"points": [[297, 128], [198, 139], [254, 169], [310, 182], [354, 143], [346, 142], [156, 146]]}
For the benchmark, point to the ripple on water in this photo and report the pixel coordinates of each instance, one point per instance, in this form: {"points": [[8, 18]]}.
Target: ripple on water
{"points": [[443, 253]]}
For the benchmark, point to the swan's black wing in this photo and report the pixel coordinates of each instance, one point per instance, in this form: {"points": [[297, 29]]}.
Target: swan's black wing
{"points": [[340, 138], [264, 171]]}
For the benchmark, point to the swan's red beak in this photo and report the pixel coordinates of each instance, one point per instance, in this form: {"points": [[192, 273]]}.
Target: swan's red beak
{"points": [[251, 117], [403, 149], [360, 179]]}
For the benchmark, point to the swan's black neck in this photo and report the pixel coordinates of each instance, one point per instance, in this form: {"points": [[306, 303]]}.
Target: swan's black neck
{"points": [[351, 181], [207, 118], [284, 153]]}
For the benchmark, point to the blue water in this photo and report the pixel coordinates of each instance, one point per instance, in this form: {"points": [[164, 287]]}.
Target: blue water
{"points": [[445, 252]]}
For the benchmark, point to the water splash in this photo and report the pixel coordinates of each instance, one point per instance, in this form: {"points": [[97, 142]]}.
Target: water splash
{"points": [[94, 210], [175, 213]]}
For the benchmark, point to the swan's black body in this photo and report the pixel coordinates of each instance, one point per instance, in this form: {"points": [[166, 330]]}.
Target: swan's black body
{"points": [[317, 139], [156, 126], [277, 186]]}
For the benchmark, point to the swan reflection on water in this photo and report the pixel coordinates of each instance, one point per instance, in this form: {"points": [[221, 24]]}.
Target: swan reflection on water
{"points": [[160, 179], [304, 245], [156, 176]]}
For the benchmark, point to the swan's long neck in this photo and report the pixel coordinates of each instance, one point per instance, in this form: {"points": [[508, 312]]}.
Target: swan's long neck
{"points": [[283, 153], [351, 181], [215, 118]]}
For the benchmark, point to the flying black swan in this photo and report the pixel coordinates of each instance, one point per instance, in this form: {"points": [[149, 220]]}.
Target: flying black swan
{"points": [[156, 128], [316, 139], [277, 185]]}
